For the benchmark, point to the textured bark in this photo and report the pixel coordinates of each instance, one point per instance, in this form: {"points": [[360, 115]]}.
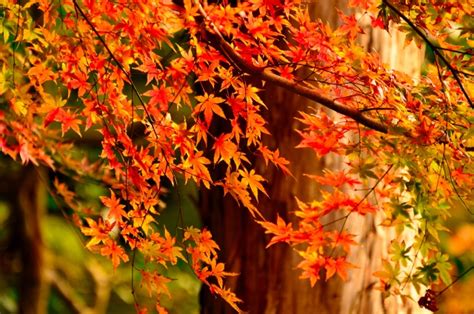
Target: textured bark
{"points": [[28, 208], [359, 296], [268, 281]]}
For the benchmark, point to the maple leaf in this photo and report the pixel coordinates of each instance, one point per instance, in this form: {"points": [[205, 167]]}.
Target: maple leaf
{"points": [[114, 251], [344, 239], [227, 296], [206, 247], [68, 121], [334, 179], [19, 107], [275, 158], [142, 219], [63, 190], [429, 300], [209, 104], [41, 73], [249, 93], [377, 22], [130, 234], [339, 266], [217, 270], [197, 163], [322, 145], [201, 129], [159, 96], [150, 66], [350, 25], [224, 149], [233, 185], [99, 231], [309, 212], [281, 230], [365, 208], [255, 127], [311, 265], [336, 201], [385, 275], [51, 116], [252, 180], [154, 283], [169, 249], [461, 177], [116, 210], [77, 81], [267, 154], [206, 244], [425, 132], [160, 309]]}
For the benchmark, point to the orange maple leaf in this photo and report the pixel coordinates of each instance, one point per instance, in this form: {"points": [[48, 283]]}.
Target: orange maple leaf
{"points": [[249, 93], [217, 270], [343, 239], [169, 249], [116, 210], [281, 230], [275, 158], [99, 231], [224, 149], [252, 180], [198, 170], [339, 266], [209, 104], [335, 179], [114, 251], [159, 96], [155, 283], [68, 121], [311, 265], [228, 296]]}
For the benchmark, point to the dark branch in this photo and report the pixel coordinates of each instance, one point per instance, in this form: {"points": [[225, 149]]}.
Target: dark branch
{"points": [[435, 49], [219, 43]]}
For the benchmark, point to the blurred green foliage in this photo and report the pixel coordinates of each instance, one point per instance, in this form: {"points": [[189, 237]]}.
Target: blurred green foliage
{"points": [[75, 265]]}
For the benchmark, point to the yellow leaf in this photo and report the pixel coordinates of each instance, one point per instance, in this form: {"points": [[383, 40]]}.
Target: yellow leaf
{"points": [[20, 108]]}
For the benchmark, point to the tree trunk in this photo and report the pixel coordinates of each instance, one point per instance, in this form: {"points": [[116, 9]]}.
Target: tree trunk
{"points": [[268, 281], [27, 196]]}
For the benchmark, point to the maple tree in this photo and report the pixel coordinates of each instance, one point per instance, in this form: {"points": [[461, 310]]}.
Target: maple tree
{"points": [[69, 70]]}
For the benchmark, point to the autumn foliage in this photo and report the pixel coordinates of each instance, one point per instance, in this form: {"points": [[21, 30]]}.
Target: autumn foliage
{"points": [[70, 70]]}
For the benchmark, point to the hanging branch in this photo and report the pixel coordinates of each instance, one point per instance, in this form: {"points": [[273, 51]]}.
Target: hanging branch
{"points": [[218, 41], [434, 48], [454, 281]]}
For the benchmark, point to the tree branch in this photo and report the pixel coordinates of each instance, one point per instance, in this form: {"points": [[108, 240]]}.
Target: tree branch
{"points": [[102, 287], [218, 41], [75, 304], [435, 49], [265, 74]]}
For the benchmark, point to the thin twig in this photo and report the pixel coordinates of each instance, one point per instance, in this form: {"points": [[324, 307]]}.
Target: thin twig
{"points": [[360, 202], [455, 280], [433, 47]]}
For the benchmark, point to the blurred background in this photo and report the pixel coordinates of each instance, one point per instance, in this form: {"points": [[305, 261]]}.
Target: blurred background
{"points": [[43, 254], [39, 242]]}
